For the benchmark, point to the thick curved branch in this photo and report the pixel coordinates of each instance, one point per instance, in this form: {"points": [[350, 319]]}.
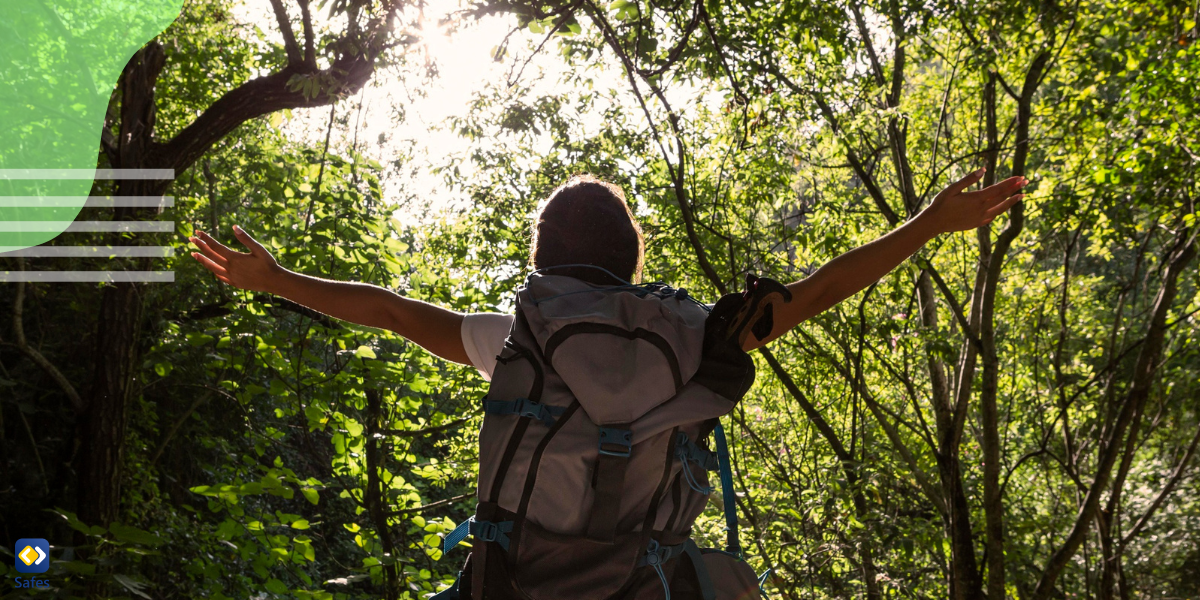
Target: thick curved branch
{"points": [[275, 92], [253, 99]]}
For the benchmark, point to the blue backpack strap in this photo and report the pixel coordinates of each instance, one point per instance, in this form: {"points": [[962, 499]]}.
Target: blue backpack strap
{"points": [[732, 544], [762, 581], [450, 593], [525, 407], [454, 538], [486, 531]]}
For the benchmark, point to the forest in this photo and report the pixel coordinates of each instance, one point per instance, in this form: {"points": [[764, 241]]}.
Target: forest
{"points": [[1014, 412]]}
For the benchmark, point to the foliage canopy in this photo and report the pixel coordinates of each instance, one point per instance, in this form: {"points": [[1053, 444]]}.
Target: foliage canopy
{"points": [[1009, 414]]}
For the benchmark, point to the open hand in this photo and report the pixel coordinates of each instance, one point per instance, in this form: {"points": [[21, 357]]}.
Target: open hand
{"points": [[252, 271], [956, 210]]}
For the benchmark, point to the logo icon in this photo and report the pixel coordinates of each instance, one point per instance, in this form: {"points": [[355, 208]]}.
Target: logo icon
{"points": [[33, 555]]}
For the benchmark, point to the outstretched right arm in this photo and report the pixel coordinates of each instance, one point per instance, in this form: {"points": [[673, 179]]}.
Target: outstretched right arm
{"points": [[434, 328]]}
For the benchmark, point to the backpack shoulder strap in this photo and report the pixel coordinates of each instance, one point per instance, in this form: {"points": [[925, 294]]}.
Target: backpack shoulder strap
{"points": [[732, 544]]}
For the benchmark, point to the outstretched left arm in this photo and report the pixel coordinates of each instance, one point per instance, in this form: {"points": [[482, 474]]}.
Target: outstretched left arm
{"points": [[952, 210]]}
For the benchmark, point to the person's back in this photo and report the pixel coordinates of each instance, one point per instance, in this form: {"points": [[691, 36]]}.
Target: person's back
{"points": [[591, 456], [591, 473]]}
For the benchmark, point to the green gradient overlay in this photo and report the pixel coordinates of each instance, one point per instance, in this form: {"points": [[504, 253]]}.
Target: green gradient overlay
{"points": [[59, 62]]}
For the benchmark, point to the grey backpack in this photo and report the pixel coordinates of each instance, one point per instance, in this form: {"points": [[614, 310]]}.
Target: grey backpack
{"points": [[593, 456]]}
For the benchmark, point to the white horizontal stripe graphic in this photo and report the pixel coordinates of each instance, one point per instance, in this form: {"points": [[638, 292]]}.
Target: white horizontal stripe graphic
{"points": [[89, 201], [87, 276], [87, 251], [88, 174], [89, 226]]}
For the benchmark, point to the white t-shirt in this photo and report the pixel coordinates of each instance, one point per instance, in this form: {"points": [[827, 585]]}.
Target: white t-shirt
{"points": [[483, 337]]}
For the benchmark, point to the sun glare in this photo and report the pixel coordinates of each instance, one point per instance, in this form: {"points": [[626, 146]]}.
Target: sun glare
{"points": [[400, 117]]}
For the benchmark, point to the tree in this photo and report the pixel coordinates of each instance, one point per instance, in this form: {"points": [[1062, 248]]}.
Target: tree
{"points": [[878, 103], [1010, 414], [305, 78]]}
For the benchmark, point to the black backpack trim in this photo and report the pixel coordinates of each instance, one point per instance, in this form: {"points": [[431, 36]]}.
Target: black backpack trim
{"points": [[561, 336]]}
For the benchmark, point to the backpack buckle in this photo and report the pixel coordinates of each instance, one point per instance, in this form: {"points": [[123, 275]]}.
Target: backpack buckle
{"points": [[528, 408], [616, 442], [487, 531], [686, 449], [656, 554]]}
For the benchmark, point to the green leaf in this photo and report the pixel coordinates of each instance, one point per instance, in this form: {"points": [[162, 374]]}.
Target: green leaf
{"points": [[126, 533], [364, 352], [310, 494], [74, 523], [131, 585], [276, 586], [306, 550]]}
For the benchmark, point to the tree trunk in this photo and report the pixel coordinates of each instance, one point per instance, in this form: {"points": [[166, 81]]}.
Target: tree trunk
{"points": [[963, 577], [102, 426], [103, 422], [375, 489]]}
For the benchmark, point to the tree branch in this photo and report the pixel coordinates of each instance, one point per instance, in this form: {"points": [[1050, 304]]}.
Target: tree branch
{"points": [[310, 54], [277, 91], [865, 34], [33, 354], [425, 431], [852, 157], [676, 172], [814, 415], [1147, 365], [432, 505], [175, 428], [1166, 491], [289, 36]]}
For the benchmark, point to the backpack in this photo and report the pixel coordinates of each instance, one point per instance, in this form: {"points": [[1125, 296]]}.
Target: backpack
{"points": [[594, 454]]}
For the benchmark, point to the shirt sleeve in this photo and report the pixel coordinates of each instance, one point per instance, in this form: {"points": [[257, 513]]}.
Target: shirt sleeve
{"points": [[483, 336]]}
